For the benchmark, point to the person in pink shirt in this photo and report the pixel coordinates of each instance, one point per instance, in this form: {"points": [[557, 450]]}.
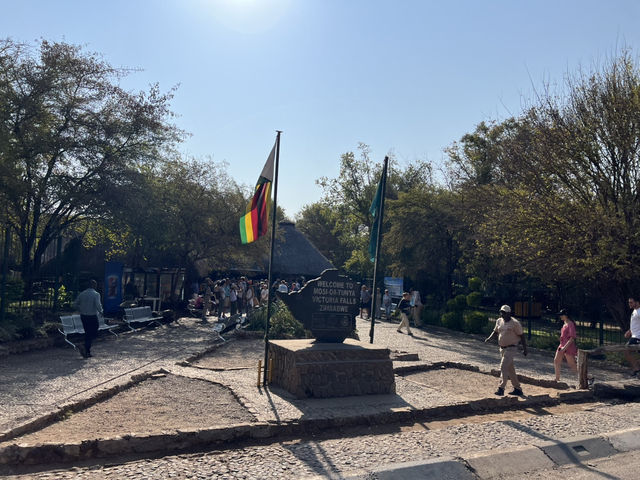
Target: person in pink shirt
{"points": [[567, 348]]}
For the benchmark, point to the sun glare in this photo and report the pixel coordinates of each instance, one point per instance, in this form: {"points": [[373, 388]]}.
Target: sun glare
{"points": [[247, 16]]}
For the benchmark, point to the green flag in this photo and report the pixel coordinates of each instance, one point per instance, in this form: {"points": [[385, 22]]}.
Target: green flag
{"points": [[375, 212]]}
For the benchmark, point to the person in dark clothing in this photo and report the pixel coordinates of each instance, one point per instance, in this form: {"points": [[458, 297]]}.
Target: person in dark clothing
{"points": [[89, 305], [405, 309]]}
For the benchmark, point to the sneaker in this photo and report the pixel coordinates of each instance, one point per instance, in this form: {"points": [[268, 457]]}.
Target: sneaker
{"points": [[499, 391], [516, 391], [399, 331], [410, 334]]}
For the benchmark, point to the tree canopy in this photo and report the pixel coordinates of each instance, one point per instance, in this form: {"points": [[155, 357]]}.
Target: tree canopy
{"points": [[71, 139]]}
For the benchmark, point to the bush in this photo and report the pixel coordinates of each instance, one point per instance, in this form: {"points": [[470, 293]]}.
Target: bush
{"points": [[457, 304], [431, 316], [475, 322], [474, 299], [14, 290], [48, 329], [17, 327], [453, 320], [65, 298], [475, 284], [431, 301], [460, 301], [282, 325]]}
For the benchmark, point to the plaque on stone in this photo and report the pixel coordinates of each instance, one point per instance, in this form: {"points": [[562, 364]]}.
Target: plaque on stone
{"points": [[326, 305]]}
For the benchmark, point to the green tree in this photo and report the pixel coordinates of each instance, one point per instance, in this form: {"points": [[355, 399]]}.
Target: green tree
{"points": [[570, 208], [322, 225], [350, 196], [70, 139], [422, 238]]}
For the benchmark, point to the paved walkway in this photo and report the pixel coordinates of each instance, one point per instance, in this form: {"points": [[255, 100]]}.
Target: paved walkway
{"points": [[38, 382]]}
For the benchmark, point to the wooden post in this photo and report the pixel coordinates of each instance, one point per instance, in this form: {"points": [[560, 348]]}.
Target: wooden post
{"points": [[259, 371], [270, 376], [583, 382]]}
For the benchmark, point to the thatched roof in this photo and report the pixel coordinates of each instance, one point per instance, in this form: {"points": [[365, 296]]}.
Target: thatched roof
{"points": [[295, 255]]}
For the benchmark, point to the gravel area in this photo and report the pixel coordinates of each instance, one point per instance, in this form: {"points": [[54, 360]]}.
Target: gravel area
{"points": [[352, 454], [162, 403], [56, 376], [333, 454]]}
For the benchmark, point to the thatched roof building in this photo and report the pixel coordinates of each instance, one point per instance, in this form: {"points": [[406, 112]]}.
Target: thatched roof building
{"points": [[295, 255]]}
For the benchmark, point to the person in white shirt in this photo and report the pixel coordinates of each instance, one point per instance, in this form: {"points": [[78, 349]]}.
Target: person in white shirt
{"points": [[633, 334], [416, 304], [386, 303], [89, 305], [282, 288]]}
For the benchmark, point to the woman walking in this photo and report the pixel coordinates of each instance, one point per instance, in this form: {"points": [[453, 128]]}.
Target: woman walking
{"points": [[567, 348]]}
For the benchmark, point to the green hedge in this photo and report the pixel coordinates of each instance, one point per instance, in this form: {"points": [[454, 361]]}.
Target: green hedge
{"points": [[476, 322], [432, 316], [282, 325], [453, 320], [474, 299]]}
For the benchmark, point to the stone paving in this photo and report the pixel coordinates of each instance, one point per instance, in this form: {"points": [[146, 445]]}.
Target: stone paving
{"points": [[37, 382], [57, 375]]}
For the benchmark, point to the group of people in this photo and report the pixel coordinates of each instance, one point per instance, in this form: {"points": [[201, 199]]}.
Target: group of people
{"points": [[226, 297], [229, 296], [383, 302], [510, 335]]}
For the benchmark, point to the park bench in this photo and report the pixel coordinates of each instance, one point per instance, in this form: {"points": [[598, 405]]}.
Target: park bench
{"points": [[72, 324], [140, 315], [583, 356]]}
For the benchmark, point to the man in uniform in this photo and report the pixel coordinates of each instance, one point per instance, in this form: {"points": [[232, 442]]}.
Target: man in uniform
{"points": [[510, 334]]}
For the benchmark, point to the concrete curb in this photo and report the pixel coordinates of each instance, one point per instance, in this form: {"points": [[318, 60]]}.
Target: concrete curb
{"points": [[175, 441], [516, 462]]}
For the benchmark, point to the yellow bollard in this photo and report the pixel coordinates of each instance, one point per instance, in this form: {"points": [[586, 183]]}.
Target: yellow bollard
{"points": [[259, 371], [270, 372]]}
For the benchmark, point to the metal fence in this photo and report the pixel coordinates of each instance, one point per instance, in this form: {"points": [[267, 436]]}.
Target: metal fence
{"points": [[544, 332]]}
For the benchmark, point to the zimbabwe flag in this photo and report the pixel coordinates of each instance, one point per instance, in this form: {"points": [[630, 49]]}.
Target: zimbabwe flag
{"points": [[255, 222]]}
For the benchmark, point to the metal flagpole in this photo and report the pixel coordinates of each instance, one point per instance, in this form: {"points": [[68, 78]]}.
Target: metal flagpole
{"points": [[378, 237], [273, 237]]}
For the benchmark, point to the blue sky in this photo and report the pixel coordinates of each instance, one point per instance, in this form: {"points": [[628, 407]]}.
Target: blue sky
{"points": [[405, 77]]}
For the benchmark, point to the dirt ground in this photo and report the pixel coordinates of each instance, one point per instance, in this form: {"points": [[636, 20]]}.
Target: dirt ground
{"points": [[173, 402], [236, 354], [164, 403], [467, 385]]}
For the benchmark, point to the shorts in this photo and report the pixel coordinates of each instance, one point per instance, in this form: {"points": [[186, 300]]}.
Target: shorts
{"points": [[633, 341]]}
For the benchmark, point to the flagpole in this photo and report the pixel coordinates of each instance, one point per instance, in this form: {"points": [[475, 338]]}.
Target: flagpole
{"points": [[273, 238], [372, 313]]}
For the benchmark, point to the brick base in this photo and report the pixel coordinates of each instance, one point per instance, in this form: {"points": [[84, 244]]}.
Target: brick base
{"points": [[307, 368]]}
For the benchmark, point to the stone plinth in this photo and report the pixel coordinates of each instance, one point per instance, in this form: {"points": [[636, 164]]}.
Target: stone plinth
{"points": [[307, 368]]}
